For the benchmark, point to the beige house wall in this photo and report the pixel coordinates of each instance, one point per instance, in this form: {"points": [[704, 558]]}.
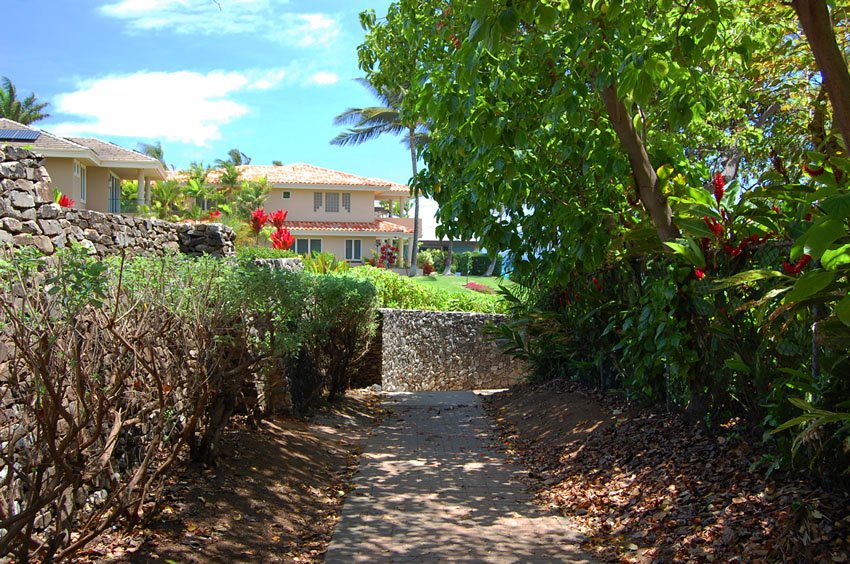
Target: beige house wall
{"points": [[62, 178], [97, 181], [300, 204]]}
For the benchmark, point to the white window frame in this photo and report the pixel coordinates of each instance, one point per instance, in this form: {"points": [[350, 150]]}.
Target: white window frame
{"points": [[76, 169], [287, 194], [354, 250], [83, 183]]}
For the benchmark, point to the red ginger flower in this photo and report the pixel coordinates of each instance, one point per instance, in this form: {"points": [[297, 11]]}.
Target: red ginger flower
{"points": [[278, 217], [812, 171], [597, 284], [719, 187], [66, 202], [259, 218], [700, 273], [715, 226], [797, 267], [282, 239], [214, 215]]}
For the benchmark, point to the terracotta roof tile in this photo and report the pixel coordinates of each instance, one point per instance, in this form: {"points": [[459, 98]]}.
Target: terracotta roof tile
{"points": [[301, 173], [348, 226]]}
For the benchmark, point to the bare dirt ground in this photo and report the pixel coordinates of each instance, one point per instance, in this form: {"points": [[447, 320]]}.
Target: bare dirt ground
{"points": [[646, 487], [275, 495]]}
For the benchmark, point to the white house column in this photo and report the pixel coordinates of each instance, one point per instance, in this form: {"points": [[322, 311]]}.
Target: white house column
{"points": [[140, 189], [147, 191]]}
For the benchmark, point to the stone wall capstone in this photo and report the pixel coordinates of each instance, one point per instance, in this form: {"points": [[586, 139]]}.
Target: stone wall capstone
{"points": [[28, 217], [439, 350]]}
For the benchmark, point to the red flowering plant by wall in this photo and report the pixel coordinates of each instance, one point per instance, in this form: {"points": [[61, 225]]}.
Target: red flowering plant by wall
{"points": [[282, 239], [63, 199], [258, 220], [277, 218], [387, 255], [215, 215]]}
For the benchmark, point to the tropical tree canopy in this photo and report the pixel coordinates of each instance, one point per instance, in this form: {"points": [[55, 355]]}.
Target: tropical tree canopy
{"points": [[235, 157], [24, 111], [153, 150], [372, 122]]}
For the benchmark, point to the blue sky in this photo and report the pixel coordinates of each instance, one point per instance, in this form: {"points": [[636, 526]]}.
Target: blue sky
{"points": [[200, 76]]}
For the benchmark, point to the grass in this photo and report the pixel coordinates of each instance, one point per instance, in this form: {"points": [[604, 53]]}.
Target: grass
{"points": [[455, 283]]}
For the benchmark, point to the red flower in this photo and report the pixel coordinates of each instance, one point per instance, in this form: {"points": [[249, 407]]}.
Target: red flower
{"points": [[259, 217], [66, 202], [812, 171], [282, 239], [278, 217], [700, 273], [798, 266], [214, 215], [597, 284], [719, 187], [715, 226]]}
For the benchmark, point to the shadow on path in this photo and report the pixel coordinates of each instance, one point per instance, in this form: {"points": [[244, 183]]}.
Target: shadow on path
{"points": [[431, 489]]}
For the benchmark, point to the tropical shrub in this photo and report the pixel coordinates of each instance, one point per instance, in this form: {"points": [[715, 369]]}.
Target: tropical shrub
{"points": [[400, 292]]}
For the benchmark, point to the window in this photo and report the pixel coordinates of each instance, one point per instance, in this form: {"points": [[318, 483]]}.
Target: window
{"points": [[332, 202], [114, 194], [82, 184], [353, 249], [77, 168], [346, 202], [317, 201], [308, 246], [287, 195]]}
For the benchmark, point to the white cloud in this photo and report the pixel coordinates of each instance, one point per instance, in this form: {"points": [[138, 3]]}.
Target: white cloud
{"points": [[266, 18], [322, 78], [184, 106]]}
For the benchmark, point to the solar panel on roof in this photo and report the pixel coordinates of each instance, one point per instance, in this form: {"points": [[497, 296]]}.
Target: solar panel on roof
{"points": [[18, 135]]}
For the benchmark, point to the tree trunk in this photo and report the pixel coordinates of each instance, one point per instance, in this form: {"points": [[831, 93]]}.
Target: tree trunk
{"points": [[447, 268], [817, 25], [492, 266], [653, 200], [415, 251]]}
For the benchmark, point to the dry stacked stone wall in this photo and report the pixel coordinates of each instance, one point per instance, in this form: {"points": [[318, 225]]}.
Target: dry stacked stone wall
{"points": [[438, 350], [28, 217]]}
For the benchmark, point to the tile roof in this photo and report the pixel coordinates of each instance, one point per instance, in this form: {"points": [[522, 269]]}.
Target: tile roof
{"points": [[301, 173], [45, 140], [102, 149], [379, 225], [110, 151]]}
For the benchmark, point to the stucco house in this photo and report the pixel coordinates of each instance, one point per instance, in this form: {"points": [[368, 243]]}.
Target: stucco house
{"points": [[332, 211], [86, 169]]}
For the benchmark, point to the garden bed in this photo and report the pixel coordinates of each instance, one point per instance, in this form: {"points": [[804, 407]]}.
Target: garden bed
{"points": [[646, 487], [275, 495]]}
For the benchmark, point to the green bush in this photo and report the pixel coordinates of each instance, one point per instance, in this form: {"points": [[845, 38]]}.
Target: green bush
{"points": [[246, 254], [478, 266], [394, 291]]}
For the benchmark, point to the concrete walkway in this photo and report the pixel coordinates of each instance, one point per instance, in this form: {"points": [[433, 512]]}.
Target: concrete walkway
{"points": [[429, 489]]}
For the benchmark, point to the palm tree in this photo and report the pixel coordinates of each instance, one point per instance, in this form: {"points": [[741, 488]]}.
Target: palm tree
{"points": [[371, 122], [153, 150], [234, 157], [24, 111], [229, 179]]}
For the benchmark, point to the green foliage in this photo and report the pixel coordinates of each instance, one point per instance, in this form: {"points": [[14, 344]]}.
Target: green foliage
{"points": [[324, 263], [474, 263], [247, 254], [401, 292]]}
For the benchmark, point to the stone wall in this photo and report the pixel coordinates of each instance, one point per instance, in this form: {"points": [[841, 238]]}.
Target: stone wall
{"points": [[28, 217], [437, 350]]}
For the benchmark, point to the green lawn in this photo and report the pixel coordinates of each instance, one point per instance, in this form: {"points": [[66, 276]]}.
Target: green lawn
{"points": [[455, 283]]}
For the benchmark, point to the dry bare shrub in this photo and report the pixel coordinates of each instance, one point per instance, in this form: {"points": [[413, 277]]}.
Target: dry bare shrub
{"points": [[108, 374]]}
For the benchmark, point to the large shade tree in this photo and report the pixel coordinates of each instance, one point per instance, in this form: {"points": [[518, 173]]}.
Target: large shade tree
{"points": [[24, 111], [371, 122]]}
